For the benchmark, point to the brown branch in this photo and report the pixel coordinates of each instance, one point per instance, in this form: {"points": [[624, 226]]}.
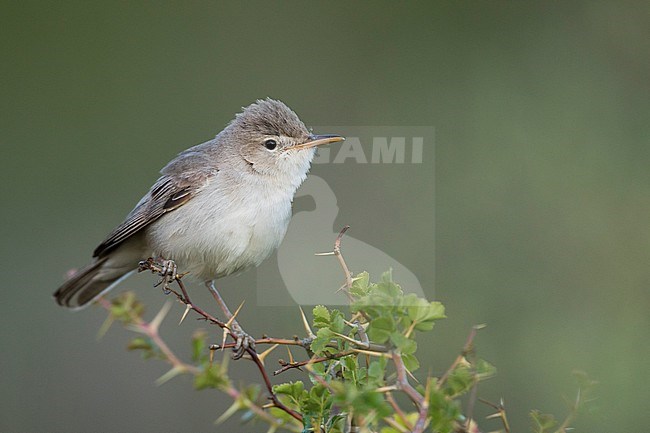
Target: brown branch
{"points": [[276, 402], [339, 256], [403, 382], [150, 329], [470, 406], [289, 365], [185, 299], [266, 340], [398, 411]]}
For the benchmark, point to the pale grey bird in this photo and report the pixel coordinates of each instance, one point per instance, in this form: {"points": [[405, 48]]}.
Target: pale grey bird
{"points": [[218, 208]]}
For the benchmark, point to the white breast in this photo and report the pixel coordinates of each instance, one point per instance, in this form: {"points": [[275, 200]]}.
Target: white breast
{"points": [[231, 224]]}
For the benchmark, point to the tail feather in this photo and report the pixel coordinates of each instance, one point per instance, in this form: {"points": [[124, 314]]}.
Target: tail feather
{"points": [[88, 284]]}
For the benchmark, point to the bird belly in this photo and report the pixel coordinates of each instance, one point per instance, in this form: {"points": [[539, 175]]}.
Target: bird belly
{"points": [[216, 234]]}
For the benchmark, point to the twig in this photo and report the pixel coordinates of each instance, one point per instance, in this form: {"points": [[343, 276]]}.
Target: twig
{"points": [[403, 382], [337, 252], [236, 395], [289, 365], [185, 299], [470, 406], [398, 411], [421, 423], [467, 348], [151, 330], [266, 340], [501, 413], [339, 256]]}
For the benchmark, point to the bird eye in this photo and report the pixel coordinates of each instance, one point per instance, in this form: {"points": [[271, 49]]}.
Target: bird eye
{"points": [[270, 144]]}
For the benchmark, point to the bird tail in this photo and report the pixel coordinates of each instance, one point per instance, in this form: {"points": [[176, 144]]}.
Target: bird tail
{"points": [[90, 283]]}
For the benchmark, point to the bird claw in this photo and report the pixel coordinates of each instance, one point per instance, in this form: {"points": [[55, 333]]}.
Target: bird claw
{"points": [[242, 344], [167, 270]]}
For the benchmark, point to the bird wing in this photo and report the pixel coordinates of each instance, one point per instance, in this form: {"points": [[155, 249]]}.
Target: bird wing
{"points": [[167, 194]]}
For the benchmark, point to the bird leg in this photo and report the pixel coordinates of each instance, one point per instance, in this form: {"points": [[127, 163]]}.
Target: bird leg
{"points": [[168, 274], [244, 341]]}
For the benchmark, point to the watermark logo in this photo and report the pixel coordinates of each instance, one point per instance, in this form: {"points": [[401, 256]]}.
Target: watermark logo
{"points": [[296, 275], [378, 145]]}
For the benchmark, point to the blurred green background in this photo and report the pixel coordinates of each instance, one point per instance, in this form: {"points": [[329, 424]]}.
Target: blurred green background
{"points": [[541, 187]]}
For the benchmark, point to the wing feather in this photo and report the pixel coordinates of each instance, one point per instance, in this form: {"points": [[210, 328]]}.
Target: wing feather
{"points": [[166, 195], [181, 179]]}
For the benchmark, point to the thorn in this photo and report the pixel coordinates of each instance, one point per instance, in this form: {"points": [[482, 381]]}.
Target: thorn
{"points": [[351, 340], [411, 375], [223, 340], [356, 324], [175, 371], [344, 286], [388, 388], [155, 323], [427, 394], [105, 327], [372, 353], [264, 354], [141, 329], [291, 360], [411, 329], [331, 253], [305, 323], [229, 412], [232, 319], [187, 310]]}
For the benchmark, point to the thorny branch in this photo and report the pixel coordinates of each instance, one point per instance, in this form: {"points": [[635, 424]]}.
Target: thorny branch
{"points": [[150, 329], [360, 346], [184, 298]]}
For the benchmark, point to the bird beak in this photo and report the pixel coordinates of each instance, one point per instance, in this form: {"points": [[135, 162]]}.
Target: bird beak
{"points": [[317, 140]]}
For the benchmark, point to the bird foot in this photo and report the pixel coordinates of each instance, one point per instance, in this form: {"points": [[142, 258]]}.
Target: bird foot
{"points": [[166, 269], [243, 342], [168, 274]]}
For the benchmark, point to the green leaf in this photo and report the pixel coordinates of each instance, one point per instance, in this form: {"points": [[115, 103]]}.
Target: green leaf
{"points": [[293, 389], [212, 376], [319, 401], [360, 284], [389, 289], [484, 370], [198, 345], [444, 413], [459, 381], [323, 337], [377, 372], [381, 328], [140, 343], [149, 350], [421, 310], [405, 345], [411, 362], [387, 277], [336, 321], [542, 422], [126, 308], [321, 316], [370, 400]]}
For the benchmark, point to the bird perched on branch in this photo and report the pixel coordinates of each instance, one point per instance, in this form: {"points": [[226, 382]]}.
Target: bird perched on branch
{"points": [[218, 208]]}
